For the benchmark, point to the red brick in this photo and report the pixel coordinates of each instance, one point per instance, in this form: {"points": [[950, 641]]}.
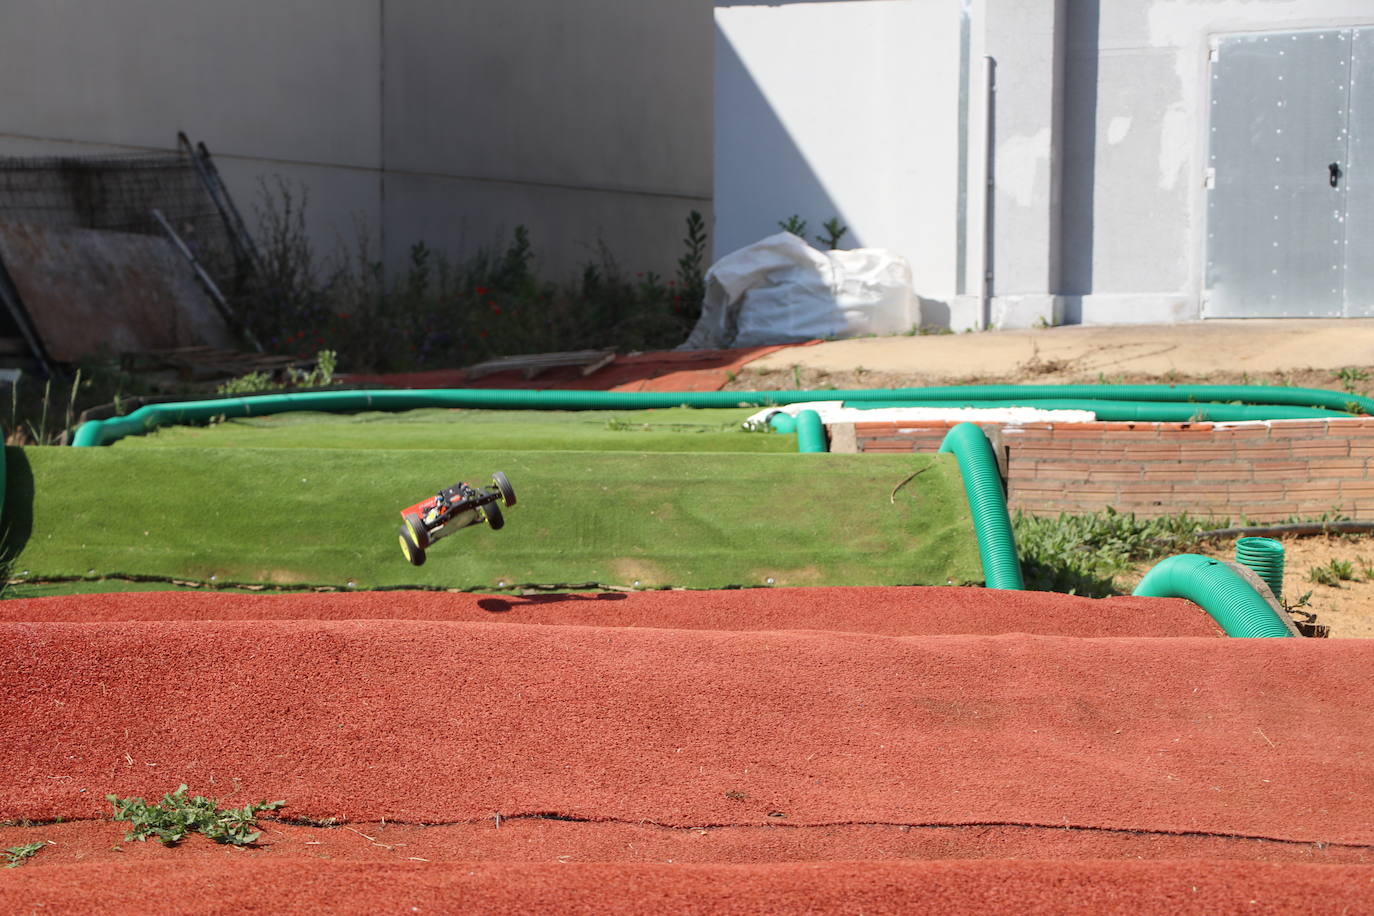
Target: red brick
{"points": [[1337, 449], [1308, 489], [1225, 471], [1259, 451], [1202, 451], [1153, 490], [1154, 452], [1042, 452], [1186, 431], [1299, 428], [1357, 488], [1243, 432], [1361, 450], [1107, 472], [1279, 470], [1169, 472]]}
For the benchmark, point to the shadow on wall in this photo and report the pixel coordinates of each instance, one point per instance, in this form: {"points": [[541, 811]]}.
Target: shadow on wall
{"points": [[761, 176], [1080, 156]]}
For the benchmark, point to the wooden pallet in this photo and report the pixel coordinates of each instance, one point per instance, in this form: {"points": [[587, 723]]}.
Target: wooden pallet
{"points": [[210, 362], [531, 364]]}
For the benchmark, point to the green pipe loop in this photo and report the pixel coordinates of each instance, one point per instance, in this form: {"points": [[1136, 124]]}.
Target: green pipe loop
{"points": [[1217, 589], [810, 432], [988, 505], [783, 422], [151, 416], [1265, 557]]}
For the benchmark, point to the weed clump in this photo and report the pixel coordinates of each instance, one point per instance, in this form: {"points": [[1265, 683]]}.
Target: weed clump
{"points": [[1083, 554], [18, 855], [176, 816]]}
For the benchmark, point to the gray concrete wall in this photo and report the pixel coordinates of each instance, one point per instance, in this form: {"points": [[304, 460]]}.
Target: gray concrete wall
{"points": [[447, 122], [1134, 143]]}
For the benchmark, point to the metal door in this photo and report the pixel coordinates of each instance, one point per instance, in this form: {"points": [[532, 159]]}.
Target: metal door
{"points": [[1359, 180], [1277, 176]]}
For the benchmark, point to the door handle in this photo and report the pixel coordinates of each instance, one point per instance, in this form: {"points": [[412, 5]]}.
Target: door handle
{"points": [[1335, 170]]}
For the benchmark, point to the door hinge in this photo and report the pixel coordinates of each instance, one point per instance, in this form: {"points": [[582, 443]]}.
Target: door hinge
{"points": [[1209, 179]]}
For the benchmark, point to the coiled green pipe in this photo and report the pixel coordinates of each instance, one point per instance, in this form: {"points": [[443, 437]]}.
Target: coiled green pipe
{"points": [[151, 416], [1124, 411], [783, 422], [988, 505], [1217, 589], [810, 432], [1265, 557]]}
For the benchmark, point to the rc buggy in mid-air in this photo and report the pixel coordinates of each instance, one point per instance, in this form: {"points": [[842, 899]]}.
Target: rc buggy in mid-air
{"points": [[452, 508]]}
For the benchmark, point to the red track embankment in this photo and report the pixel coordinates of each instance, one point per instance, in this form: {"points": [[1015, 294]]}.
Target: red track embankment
{"points": [[1035, 887], [752, 751], [914, 611], [436, 722]]}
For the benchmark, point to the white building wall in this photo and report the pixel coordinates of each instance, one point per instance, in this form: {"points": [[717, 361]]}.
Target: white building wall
{"points": [[843, 109], [447, 122]]}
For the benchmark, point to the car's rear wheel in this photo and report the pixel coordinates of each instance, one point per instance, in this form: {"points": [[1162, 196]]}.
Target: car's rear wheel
{"points": [[419, 534], [503, 484], [495, 519], [413, 552]]}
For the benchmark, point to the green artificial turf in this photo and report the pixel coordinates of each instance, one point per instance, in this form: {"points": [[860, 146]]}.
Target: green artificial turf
{"points": [[678, 429], [330, 517]]}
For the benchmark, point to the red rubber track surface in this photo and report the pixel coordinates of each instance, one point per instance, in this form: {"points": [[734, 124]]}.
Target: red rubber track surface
{"points": [[850, 887], [745, 751], [913, 611]]}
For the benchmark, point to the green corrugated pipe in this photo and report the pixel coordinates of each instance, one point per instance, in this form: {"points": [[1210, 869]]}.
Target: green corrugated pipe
{"points": [[1121, 411], [988, 505], [810, 432], [103, 432], [1217, 589], [783, 422], [1265, 557]]}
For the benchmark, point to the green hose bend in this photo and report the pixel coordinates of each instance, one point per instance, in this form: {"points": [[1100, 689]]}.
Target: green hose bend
{"points": [[810, 432], [1217, 589], [988, 505]]}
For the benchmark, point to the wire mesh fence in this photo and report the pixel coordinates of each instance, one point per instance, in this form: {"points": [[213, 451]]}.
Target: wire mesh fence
{"points": [[119, 193]]}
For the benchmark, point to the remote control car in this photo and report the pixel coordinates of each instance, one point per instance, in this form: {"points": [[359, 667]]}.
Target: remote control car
{"points": [[453, 508]]}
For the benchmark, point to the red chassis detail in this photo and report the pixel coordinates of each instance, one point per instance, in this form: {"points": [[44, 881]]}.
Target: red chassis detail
{"points": [[451, 509]]}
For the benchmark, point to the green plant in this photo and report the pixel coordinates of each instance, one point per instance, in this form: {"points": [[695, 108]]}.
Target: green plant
{"points": [[320, 376], [1332, 573], [691, 267], [797, 377], [1348, 376], [18, 855], [1083, 554], [177, 816], [793, 224], [834, 231]]}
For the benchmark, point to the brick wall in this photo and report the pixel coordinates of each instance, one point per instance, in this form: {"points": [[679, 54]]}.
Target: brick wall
{"points": [[1263, 471]]}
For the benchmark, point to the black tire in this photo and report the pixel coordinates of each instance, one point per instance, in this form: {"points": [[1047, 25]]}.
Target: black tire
{"points": [[413, 552], [495, 519], [419, 534], [503, 484]]}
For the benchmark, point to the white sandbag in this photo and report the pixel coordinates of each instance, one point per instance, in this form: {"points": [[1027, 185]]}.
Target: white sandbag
{"points": [[781, 290]]}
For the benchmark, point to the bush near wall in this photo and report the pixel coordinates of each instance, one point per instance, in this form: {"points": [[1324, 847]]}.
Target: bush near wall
{"points": [[1261, 471]]}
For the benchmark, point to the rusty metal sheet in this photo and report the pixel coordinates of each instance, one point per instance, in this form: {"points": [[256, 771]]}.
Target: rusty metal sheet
{"points": [[93, 292]]}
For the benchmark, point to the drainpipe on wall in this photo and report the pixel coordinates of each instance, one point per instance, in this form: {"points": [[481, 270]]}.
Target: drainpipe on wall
{"points": [[985, 251]]}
